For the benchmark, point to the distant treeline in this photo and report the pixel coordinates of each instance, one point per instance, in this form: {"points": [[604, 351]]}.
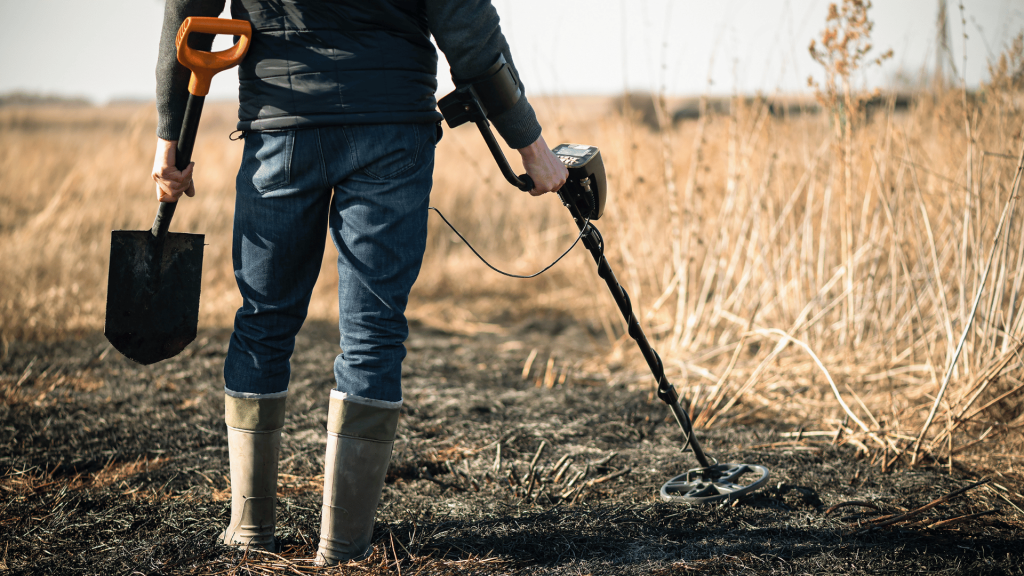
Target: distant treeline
{"points": [[32, 99], [645, 105]]}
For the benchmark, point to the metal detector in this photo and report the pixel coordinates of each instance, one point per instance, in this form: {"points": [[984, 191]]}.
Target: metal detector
{"points": [[584, 195]]}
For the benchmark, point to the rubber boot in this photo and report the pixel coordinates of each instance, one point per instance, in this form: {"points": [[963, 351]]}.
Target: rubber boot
{"points": [[360, 435], [254, 441]]}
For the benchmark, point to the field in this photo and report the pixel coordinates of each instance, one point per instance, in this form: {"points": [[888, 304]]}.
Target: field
{"points": [[843, 305]]}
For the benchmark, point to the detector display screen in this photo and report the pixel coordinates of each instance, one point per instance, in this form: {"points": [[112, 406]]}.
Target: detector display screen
{"points": [[577, 152]]}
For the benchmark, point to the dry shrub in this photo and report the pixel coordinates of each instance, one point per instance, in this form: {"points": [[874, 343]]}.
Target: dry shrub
{"points": [[775, 272]]}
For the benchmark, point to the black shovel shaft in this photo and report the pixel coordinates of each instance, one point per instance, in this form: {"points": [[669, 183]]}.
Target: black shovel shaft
{"points": [[666, 391], [189, 128], [182, 158]]}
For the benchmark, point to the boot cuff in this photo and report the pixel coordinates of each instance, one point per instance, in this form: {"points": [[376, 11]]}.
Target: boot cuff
{"points": [[363, 417], [263, 414]]}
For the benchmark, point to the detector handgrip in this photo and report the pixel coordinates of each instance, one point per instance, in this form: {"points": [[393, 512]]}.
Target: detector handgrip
{"points": [[523, 181], [463, 106], [204, 65]]}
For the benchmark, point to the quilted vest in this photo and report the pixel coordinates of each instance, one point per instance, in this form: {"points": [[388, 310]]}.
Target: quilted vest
{"points": [[328, 62]]}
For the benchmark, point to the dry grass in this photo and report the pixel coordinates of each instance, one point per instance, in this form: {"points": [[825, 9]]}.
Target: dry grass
{"points": [[863, 288], [34, 481]]}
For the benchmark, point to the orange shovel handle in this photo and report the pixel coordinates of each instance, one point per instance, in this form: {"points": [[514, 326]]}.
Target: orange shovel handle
{"points": [[204, 65]]}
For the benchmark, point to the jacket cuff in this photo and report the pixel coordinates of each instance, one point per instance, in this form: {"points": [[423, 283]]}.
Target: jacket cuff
{"points": [[518, 126]]}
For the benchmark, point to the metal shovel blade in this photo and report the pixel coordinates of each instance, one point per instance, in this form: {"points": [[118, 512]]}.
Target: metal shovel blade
{"points": [[153, 299]]}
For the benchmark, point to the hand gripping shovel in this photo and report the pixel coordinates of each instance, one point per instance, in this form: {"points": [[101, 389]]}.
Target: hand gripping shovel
{"points": [[155, 276]]}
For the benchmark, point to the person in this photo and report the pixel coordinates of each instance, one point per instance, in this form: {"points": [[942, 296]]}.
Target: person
{"points": [[337, 108]]}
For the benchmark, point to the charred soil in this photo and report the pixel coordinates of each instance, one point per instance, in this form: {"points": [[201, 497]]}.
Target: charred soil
{"points": [[107, 467]]}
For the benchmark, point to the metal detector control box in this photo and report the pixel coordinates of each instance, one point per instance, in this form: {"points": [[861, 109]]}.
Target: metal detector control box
{"points": [[587, 186]]}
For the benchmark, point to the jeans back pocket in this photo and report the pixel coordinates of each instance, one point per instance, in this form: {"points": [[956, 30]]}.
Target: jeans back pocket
{"points": [[387, 150], [271, 153]]}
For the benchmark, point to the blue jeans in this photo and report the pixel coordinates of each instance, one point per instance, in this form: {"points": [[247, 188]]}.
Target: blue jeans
{"points": [[369, 185]]}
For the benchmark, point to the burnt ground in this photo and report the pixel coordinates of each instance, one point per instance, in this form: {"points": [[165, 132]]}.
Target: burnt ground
{"points": [[107, 467]]}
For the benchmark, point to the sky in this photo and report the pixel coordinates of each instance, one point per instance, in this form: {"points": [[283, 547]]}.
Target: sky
{"points": [[106, 49]]}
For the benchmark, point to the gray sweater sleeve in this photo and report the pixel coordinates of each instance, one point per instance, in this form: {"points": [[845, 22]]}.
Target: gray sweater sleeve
{"points": [[468, 33], [171, 77]]}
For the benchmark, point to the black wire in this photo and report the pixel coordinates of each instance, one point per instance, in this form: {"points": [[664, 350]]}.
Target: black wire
{"points": [[546, 268], [689, 432]]}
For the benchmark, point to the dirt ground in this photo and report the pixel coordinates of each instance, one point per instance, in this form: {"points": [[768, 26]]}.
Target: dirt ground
{"points": [[107, 467]]}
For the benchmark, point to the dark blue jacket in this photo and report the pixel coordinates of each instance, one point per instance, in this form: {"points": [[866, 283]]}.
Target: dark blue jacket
{"points": [[327, 62], [322, 62]]}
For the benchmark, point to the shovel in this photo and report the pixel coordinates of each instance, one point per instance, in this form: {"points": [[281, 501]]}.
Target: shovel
{"points": [[155, 276]]}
